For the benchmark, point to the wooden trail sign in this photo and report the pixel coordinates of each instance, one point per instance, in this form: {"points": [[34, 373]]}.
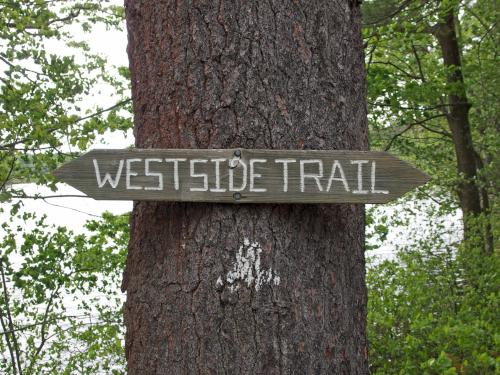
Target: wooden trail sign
{"points": [[242, 175]]}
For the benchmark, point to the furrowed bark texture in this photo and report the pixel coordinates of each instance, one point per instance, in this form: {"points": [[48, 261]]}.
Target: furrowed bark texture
{"points": [[253, 74]]}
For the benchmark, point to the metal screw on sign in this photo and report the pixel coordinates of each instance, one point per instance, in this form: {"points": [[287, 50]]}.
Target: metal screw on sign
{"points": [[233, 163]]}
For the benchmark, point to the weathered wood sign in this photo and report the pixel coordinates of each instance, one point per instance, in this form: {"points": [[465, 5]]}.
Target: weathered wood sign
{"points": [[241, 175]]}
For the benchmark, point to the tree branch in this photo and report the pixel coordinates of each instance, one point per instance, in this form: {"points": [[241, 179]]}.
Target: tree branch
{"points": [[399, 134], [423, 108], [54, 320], [11, 145], [395, 12], [23, 70], [9, 318], [43, 338], [410, 75], [441, 132], [72, 209], [419, 65], [370, 58], [12, 165], [43, 197], [7, 339]]}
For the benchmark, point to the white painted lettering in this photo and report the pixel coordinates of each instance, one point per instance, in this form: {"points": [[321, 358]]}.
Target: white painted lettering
{"points": [[314, 176], [107, 177], [375, 191], [243, 177], [254, 175], [336, 165], [130, 173], [217, 188], [148, 173], [285, 163], [198, 175], [176, 170], [360, 163]]}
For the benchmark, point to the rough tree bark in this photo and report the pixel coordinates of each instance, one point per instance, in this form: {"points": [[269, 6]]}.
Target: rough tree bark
{"points": [[253, 74]]}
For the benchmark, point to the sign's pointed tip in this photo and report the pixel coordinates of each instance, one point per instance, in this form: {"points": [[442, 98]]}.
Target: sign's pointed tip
{"points": [[57, 173], [65, 171], [425, 178], [61, 172]]}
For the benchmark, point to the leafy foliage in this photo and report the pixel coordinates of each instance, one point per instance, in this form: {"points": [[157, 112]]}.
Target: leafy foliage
{"points": [[434, 310], [43, 116], [59, 307], [408, 88]]}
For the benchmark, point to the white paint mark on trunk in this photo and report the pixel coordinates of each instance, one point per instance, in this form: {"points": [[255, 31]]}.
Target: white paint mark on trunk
{"points": [[219, 281], [247, 269]]}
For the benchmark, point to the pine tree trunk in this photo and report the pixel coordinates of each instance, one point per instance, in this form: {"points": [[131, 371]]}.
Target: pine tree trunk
{"points": [[252, 74]]}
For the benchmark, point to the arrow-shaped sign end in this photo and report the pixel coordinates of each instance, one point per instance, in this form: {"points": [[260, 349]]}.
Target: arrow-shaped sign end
{"points": [[57, 173], [71, 173], [424, 177]]}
